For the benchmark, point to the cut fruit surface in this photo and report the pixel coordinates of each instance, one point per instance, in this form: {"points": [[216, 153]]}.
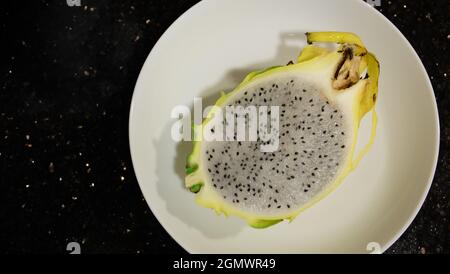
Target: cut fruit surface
{"points": [[321, 100]]}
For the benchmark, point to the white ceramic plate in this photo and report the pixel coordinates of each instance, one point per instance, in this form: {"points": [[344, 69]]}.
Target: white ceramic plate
{"points": [[211, 48]]}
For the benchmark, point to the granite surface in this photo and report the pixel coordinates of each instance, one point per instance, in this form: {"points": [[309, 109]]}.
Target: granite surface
{"points": [[67, 76]]}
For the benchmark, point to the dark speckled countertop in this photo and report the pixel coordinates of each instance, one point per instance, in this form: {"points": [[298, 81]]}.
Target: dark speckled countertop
{"points": [[67, 76]]}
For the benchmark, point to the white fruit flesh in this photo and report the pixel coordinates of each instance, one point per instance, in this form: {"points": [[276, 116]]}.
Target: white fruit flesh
{"points": [[314, 141]]}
